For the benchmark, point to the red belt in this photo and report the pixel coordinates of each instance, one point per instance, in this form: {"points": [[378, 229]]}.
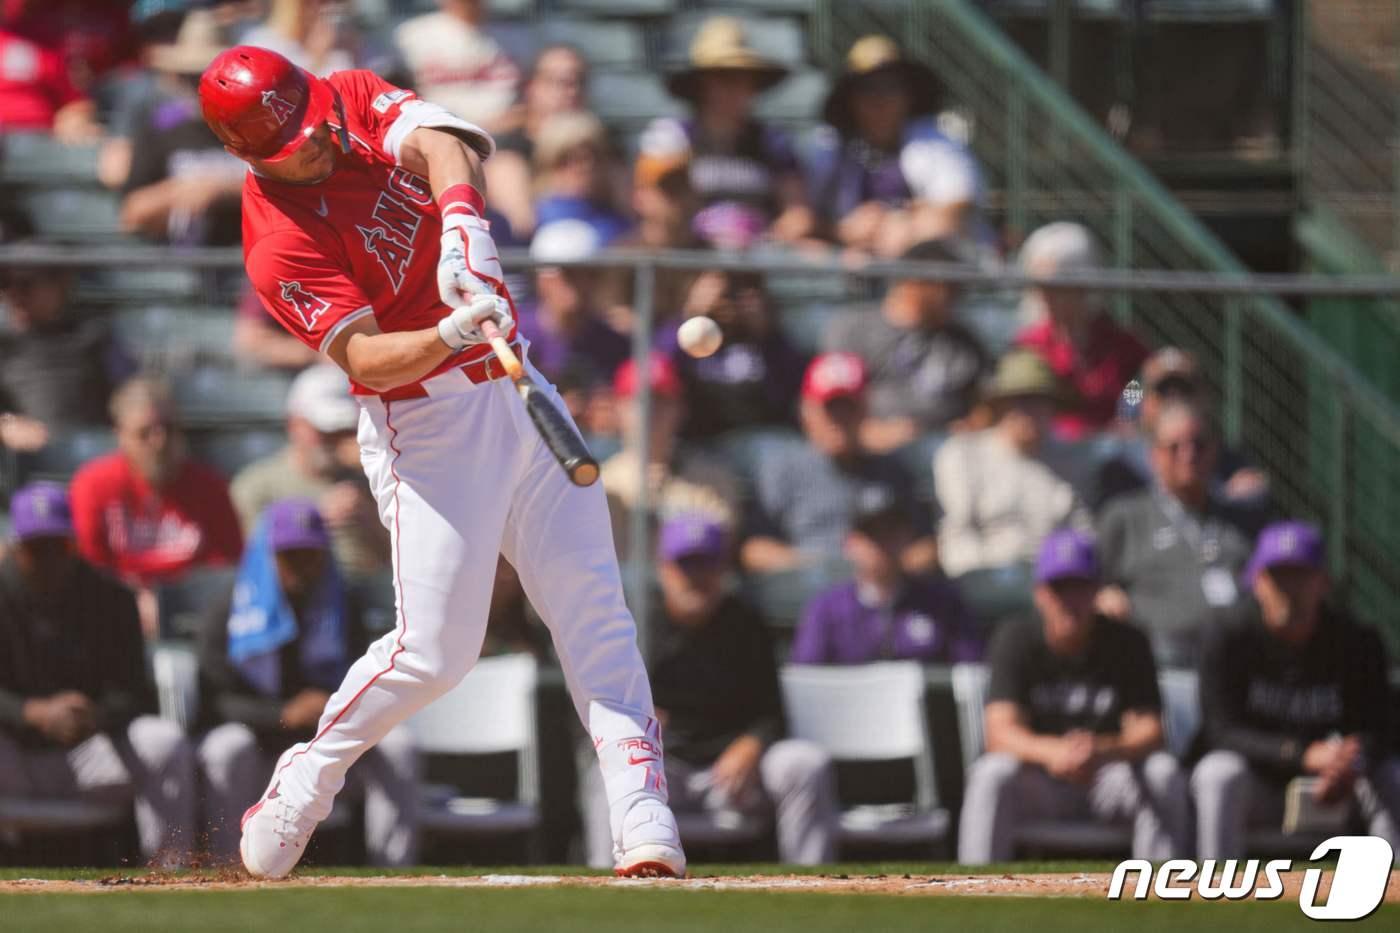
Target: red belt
{"points": [[486, 369]]}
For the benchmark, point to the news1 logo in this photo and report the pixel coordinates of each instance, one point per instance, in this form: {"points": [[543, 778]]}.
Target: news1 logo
{"points": [[1358, 882]]}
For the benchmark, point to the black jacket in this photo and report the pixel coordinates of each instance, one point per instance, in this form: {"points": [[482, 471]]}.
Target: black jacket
{"points": [[86, 637]]}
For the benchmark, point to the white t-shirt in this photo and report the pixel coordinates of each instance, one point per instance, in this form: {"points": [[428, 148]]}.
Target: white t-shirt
{"points": [[457, 66]]}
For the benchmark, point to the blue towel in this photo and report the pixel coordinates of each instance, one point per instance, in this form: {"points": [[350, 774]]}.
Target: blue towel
{"points": [[262, 622]]}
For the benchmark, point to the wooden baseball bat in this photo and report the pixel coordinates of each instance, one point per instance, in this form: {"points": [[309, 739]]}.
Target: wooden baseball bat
{"points": [[559, 435]]}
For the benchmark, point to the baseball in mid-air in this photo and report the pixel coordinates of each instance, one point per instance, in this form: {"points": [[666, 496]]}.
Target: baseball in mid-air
{"points": [[700, 336]]}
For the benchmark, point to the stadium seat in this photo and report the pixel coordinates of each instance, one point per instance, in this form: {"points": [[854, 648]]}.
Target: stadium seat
{"points": [[631, 98], [871, 713], [620, 7], [60, 458], [492, 711], [69, 213], [996, 593], [606, 44], [219, 395], [797, 101], [175, 670], [39, 159], [1209, 11], [130, 285], [168, 337], [181, 604], [231, 451], [29, 815]]}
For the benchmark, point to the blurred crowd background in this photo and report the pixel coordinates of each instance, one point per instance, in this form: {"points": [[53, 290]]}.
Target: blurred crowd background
{"points": [[1147, 528]]}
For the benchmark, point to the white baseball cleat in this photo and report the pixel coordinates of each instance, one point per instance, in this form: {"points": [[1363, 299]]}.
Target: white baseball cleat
{"points": [[274, 836], [651, 843]]}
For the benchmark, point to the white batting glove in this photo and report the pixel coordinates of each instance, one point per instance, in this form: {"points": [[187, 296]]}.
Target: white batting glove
{"points": [[462, 328], [468, 264]]}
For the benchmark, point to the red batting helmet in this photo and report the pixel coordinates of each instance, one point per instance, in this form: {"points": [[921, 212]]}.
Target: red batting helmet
{"points": [[261, 105]]}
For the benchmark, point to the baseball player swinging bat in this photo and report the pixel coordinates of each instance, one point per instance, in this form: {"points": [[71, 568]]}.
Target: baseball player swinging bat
{"points": [[366, 234], [561, 439]]}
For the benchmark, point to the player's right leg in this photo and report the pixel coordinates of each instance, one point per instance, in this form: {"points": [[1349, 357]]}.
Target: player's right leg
{"points": [[421, 457], [559, 539]]}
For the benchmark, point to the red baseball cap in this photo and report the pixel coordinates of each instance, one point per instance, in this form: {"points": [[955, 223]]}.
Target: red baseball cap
{"points": [[261, 105], [664, 378], [834, 375]]}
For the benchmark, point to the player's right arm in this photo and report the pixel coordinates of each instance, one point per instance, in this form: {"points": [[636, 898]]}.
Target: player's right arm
{"points": [[313, 298]]}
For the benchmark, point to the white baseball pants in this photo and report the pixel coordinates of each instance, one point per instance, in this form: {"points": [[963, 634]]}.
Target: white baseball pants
{"points": [[460, 477]]}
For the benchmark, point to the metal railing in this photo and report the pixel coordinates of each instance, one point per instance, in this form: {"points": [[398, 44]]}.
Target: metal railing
{"points": [[1329, 440]]}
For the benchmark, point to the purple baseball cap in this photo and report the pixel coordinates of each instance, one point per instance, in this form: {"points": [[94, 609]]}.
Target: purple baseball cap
{"points": [[1294, 543], [1066, 554], [692, 536], [40, 510], [294, 524]]}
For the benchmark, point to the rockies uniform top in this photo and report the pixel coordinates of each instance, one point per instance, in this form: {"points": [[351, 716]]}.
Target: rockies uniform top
{"points": [[1058, 694], [1268, 700]]}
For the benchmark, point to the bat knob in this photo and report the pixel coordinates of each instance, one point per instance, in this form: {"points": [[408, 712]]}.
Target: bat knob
{"points": [[583, 472]]}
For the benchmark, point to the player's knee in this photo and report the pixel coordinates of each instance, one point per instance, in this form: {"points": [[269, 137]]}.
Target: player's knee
{"points": [[994, 772], [1163, 774], [434, 676], [1219, 772], [159, 742], [225, 746]]}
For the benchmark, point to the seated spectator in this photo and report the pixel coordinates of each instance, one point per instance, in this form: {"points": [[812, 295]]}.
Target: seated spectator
{"points": [[76, 702], [258, 338], [680, 481], [1172, 553], [1295, 690], [883, 613], [147, 513], [38, 93], [925, 367], [271, 652], [1003, 489], [182, 186], [1073, 723], [1071, 332], [745, 172], [753, 379], [564, 324], [881, 172], [312, 34], [572, 176], [60, 367], [557, 84], [455, 63], [714, 678], [321, 462], [1170, 375], [130, 92], [804, 495], [663, 202]]}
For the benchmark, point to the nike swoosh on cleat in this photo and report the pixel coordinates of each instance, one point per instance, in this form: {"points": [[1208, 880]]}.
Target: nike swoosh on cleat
{"points": [[633, 760]]}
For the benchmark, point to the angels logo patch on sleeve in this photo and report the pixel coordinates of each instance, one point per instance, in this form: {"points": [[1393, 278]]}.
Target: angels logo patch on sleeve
{"points": [[310, 307], [384, 101]]}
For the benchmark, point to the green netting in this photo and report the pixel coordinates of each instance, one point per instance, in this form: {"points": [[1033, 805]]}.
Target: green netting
{"points": [[1327, 438]]}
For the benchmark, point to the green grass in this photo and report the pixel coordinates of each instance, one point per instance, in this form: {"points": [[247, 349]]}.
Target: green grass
{"points": [[609, 910], [696, 871]]}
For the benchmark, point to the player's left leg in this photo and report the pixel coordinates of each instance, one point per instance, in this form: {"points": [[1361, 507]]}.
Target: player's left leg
{"points": [[559, 539], [798, 777], [1153, 794]]}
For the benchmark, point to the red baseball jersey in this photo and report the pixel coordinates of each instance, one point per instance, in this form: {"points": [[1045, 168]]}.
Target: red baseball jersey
{"points": [[147, 535], [364, 241]]}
